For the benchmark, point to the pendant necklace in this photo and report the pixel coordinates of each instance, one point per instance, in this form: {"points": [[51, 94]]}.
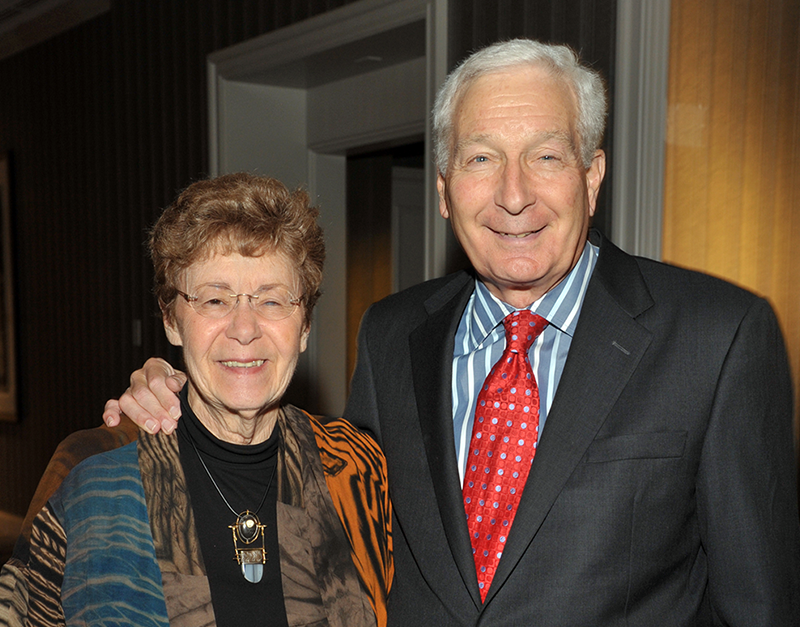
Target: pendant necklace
{"points": [[246, 530]]}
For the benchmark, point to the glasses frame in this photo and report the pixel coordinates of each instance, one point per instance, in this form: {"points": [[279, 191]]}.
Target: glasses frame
{"points": [[191, 300]]}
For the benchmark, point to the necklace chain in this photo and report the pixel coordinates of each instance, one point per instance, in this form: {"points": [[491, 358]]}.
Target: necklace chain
{"points": [[246, 530], [210, 476]]}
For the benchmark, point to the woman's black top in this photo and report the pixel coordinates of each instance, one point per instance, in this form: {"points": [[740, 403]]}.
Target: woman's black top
{"points": [[242, 474]]}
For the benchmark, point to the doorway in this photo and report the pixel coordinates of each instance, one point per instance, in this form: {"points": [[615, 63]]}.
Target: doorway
{"points": [[302, 104], [385, 227]]}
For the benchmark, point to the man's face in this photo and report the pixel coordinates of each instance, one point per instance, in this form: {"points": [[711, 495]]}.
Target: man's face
{"points": [[516, 193]]}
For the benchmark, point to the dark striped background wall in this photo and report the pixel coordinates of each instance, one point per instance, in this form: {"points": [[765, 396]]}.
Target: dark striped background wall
{"points": [[105, 123]]}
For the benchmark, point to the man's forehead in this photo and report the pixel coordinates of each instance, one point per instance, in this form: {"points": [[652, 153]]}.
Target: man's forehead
{"points": [[498, 92], [527, 103]]}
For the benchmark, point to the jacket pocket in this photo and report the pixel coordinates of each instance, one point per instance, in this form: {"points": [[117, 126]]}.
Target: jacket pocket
{"points": [[636, 446]]}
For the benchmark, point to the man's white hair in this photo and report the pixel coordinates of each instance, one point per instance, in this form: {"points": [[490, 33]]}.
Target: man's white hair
{"points": [[560, 61]]}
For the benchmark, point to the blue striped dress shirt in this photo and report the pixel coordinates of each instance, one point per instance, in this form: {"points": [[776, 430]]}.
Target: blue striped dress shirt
{"points": [[480, 341]]}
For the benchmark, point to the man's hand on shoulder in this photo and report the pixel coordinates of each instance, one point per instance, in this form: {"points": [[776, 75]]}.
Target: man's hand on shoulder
{"points": [[152, 399]]}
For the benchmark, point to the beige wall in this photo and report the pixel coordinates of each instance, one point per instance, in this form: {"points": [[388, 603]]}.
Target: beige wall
{"points": [[732, 199]]}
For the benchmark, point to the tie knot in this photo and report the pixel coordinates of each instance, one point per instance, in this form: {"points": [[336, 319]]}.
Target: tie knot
{"points": [[522, 328]]}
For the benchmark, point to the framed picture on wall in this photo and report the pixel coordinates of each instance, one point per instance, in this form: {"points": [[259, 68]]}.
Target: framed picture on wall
{"points": [[8, 372]]}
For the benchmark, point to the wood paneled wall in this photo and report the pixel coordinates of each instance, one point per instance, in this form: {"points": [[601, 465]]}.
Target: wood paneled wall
{"points": [[732, 201], [105, 123]]}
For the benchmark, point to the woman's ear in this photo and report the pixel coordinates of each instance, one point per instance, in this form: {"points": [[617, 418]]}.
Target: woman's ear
{"points": [[171, 329], [304, 338]]}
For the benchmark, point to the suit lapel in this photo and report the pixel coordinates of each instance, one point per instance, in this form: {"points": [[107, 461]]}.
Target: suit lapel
{"points": [[607, 346], [431, 346]]}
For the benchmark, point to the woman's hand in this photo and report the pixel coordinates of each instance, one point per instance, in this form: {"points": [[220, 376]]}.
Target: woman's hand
{"points": [[151, 401]]}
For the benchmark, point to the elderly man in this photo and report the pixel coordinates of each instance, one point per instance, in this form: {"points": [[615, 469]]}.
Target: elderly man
{"points": [[574, 436]]}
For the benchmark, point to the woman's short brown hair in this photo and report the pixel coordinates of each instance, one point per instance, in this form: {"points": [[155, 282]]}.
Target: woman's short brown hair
{"points": [[237, 213]]}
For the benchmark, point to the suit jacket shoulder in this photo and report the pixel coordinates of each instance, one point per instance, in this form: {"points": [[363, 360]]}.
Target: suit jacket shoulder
{"points": [[638, 283], [412, 305]]}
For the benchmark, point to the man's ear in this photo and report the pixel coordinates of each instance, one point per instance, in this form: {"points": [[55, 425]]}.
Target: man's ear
{"points": [[441, 187], [594, 178], [171, 329]]}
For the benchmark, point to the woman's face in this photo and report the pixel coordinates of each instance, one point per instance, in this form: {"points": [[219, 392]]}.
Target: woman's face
{"points": [[239, 366]]}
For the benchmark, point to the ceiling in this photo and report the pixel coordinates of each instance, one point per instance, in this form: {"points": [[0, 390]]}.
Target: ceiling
{"points": [[386, 48], [25, 23]]}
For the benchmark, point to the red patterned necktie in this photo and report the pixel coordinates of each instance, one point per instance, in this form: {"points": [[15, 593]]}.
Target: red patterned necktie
{"points": [[503, 444]]}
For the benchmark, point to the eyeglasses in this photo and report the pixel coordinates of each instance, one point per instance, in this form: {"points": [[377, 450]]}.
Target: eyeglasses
{"points": [[275, 303]]}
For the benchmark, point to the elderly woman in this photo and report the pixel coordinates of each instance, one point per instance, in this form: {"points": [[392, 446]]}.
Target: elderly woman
{"points": [[256, 513]]}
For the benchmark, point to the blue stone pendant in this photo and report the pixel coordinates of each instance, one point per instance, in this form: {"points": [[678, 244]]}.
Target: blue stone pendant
{"points": [[246, 531], [253, 572]]}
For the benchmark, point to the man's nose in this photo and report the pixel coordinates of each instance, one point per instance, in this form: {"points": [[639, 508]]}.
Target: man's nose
{"points": [[515, 188]]}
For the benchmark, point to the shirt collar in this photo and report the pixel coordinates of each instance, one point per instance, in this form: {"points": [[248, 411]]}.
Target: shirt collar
{"points": [[560, 306]]}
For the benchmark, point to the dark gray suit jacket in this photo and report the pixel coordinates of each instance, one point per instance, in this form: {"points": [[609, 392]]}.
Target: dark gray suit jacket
{"points": [[663, 492]]}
